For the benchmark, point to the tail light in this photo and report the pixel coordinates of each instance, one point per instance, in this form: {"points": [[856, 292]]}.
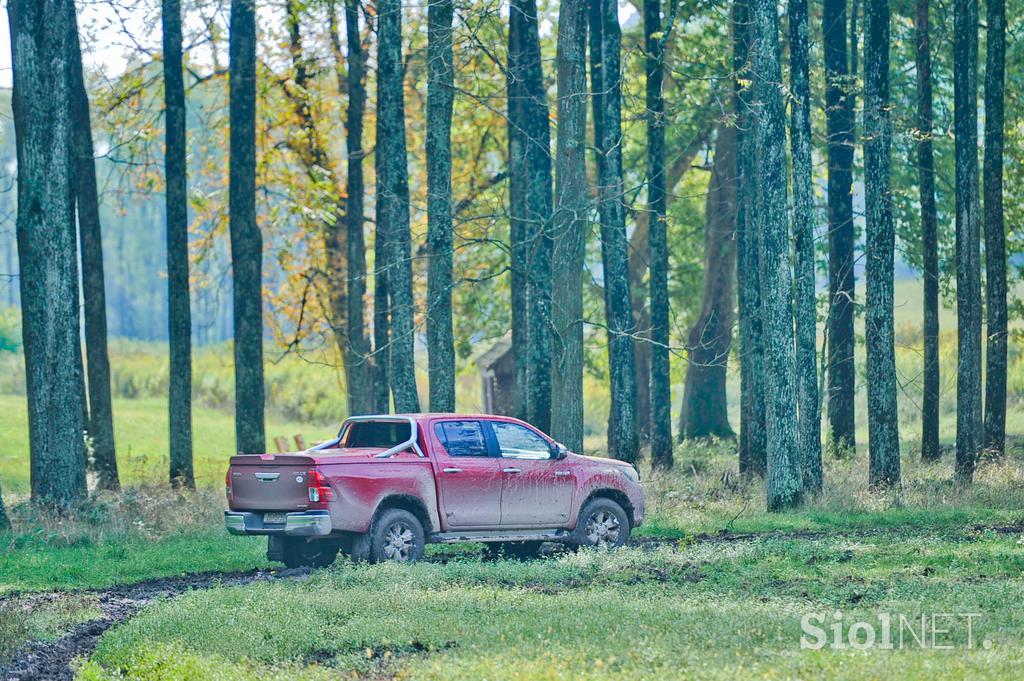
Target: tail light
{"points": [[227, 484], [320, 491]]}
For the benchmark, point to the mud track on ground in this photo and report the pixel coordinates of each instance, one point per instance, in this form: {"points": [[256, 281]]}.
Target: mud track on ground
{"points": [[51, 660]]}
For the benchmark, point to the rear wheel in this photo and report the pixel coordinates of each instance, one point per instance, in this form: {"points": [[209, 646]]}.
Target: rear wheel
{"points": [[514, 549], [396, 535], [299, 552], [602, 524]]}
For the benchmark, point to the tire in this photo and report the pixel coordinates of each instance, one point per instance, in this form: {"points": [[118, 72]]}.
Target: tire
{"points": [[602, 523], [298, 552], [396, 535], [519, 550]]}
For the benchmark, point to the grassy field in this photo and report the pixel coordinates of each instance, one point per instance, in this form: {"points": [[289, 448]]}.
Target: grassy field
{"points": [[142, 450]]}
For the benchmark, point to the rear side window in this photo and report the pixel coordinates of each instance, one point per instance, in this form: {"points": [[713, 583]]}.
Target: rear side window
{"points": [[382, 434], [462, 438]]}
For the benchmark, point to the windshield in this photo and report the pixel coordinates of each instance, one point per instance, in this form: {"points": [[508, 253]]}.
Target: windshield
{"points": [[376, 434]]}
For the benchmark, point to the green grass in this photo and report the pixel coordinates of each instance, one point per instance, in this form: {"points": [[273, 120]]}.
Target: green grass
{"points": [[715, 610], [31, 619], [140, 427]]}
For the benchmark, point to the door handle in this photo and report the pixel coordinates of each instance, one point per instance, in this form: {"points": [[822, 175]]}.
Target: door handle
{"points": [[452, 470], [267, 477], [511, 470], [561, 474]]}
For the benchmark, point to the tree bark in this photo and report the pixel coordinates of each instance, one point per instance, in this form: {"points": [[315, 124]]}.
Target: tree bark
{"points": [[883, 428], [968, 238], [40, 33], [840, 128], [100, 421], [784, 485], [930, 450], [517, 187], [361, 376], [622, 426], [393, 204], [440, 95], [530, 165], [180, 314], [809, 415], [570, 228], [705, 411], [660, 379], [246, 239], [753, 445], [995, 235], [5, 521]]}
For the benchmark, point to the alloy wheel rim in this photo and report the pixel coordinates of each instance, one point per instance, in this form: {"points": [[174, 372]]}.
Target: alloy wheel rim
{"points": [[399, 541], [602, 529]]}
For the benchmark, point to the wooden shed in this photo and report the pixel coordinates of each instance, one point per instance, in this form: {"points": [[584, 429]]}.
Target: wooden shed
{"points": [[498, 378]]}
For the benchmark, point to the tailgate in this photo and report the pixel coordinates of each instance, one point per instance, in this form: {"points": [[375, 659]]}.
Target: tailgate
{"points": [[278, 484]]}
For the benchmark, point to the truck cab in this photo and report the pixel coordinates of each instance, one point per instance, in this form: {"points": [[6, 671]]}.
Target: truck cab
{"points": [[390, 484]]}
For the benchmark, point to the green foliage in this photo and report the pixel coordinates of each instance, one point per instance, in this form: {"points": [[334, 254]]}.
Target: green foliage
{"points": [[10, 330]]}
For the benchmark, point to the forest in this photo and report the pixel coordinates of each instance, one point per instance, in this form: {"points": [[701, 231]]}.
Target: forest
{"points": [[767, 252]]}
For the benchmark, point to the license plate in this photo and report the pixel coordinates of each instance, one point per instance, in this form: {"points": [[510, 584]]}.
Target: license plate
{"points": [[275, 518]]}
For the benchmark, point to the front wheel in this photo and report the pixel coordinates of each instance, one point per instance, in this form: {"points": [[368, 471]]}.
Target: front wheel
{"points": [[602, 523], [396, 535]]}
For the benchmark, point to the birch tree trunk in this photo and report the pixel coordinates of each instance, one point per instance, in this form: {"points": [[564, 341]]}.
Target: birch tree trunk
{"points": [[40, 53], [246, 239], [968, 238], [569, 228], [440, 94], [995, 235], [929, 236]]}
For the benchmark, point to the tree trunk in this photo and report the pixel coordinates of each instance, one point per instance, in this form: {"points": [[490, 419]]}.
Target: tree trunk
{"points": [[995, 236], [752, 412], [393, 204], [100, 421], [517, 187], [705, 411], [440, 95], [361, 375], [929, 237], [180, 315], [246, 239], [968, 238], [40, 34], [839, 123], [5, 521], [784, 482], [809, 415], [569, 228], [381, 322], [660, 379], [622, 425], [883, 428]]}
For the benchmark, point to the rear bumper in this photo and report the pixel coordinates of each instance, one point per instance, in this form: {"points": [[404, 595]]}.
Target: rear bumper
{"points": [[299, 524]]}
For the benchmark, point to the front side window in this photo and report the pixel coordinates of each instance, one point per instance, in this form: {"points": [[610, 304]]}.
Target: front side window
{"points": [[462, 438], [518, 442]]}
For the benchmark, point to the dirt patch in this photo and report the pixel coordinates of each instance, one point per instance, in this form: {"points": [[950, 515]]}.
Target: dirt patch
{"points": [[51, 660]]}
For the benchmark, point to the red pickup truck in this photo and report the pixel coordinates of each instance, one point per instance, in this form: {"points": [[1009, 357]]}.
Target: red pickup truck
{"points": [[388, 485]]}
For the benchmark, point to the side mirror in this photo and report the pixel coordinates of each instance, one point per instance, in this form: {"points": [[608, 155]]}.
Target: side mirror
{"points": [[558, 451]]}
